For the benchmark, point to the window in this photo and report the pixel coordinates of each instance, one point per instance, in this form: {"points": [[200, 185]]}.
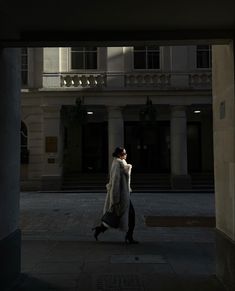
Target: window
{"points": [[24, 66], [203, 57], [83, 58], [24, 144], [147, 57]]}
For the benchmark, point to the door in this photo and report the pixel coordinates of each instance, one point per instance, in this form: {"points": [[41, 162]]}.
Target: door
{"points": [[148, 146], [194, 147], [95, 147]]}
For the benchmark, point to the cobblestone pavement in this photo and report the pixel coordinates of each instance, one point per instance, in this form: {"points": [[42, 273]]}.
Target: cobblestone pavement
{"points": [[60, 253], [70, 216]]}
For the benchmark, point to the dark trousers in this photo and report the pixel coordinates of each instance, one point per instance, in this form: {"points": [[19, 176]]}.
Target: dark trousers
{"points": [[131, 221]]}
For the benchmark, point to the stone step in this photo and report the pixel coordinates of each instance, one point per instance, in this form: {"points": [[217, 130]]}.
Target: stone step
{"points": [[147, 182]]}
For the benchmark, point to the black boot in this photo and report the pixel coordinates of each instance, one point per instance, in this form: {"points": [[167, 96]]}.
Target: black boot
{"points": [[98, 230], [129, 239]]}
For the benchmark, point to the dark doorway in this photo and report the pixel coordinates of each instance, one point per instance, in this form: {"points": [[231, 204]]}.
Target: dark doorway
{"points": [[148, 146], [194, 146], [95, 147]]}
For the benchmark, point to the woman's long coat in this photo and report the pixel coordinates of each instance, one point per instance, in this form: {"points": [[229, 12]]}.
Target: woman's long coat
{"points": [[118, 191]]}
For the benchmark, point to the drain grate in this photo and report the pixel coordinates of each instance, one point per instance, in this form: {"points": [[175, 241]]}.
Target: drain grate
{"points": [[119, 282], [180, 221], [137, 259]]}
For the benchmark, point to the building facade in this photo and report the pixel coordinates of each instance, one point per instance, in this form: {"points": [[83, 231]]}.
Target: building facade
{"points": [[79, 103]]}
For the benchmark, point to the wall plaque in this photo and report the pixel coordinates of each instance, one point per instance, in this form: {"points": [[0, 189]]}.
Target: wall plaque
{"points": [[51, 144]]}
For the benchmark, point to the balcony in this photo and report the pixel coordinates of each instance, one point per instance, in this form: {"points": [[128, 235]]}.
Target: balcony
{"points": [[131, 80], [200, 80]]}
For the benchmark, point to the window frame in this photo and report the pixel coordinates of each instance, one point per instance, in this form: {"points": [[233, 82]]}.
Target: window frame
{"points": [[209, 56], [25, 85], [83, 69], [146, 60]]}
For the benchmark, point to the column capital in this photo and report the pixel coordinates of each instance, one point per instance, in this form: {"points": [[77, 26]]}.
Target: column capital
{"points": [[178, 111], [114, 107], [50, 108], [178, 107], [115, 111]]}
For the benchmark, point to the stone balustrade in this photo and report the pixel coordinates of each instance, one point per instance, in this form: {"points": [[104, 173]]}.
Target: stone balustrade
{"points": [[200, 80], [147, 80], [83, 80], [196, 80]]}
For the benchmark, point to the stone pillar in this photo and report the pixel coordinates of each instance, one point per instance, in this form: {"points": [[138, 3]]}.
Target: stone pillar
{"points": [[179, 64], [115, 67], [224, 160], [179, 163], [53, 148], [115, 129], [10, 237]]}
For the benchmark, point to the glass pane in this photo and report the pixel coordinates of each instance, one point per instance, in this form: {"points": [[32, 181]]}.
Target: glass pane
{"points": [[139, 48], [153, 60], [91, 61], [24, 78], [139, 60], [203, 59], [24, 60], [77, 61]]}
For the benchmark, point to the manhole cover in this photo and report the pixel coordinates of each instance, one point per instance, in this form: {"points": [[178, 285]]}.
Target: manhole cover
{"points": [[137, 259], [119, 282], [180, 221]]}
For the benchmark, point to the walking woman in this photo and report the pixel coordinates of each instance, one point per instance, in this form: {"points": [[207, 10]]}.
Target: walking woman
{"points": [[118, 197]]}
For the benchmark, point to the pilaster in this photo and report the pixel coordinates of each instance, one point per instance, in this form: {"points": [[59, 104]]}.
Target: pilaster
{"points": [[179, 162], [224, 160], [10, 237], [53, 151]]}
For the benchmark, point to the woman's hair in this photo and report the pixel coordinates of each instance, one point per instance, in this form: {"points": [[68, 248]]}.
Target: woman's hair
{"points": [[118, 151]]}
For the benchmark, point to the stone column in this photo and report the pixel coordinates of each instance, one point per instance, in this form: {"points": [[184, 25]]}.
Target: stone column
{"points": [[179, 163], [115, 129], [10, 237], [53, 151], [224, 160]]}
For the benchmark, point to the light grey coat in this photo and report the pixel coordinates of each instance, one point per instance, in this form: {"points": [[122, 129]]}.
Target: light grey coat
{"points": [[118, 191]]}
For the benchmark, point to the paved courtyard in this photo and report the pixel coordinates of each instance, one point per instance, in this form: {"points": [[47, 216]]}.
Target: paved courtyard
{"points": [[60, 253]]}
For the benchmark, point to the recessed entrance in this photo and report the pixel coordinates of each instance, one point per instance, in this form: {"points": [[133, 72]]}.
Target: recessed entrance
{"points": [[95, 147], [148, 146]]}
